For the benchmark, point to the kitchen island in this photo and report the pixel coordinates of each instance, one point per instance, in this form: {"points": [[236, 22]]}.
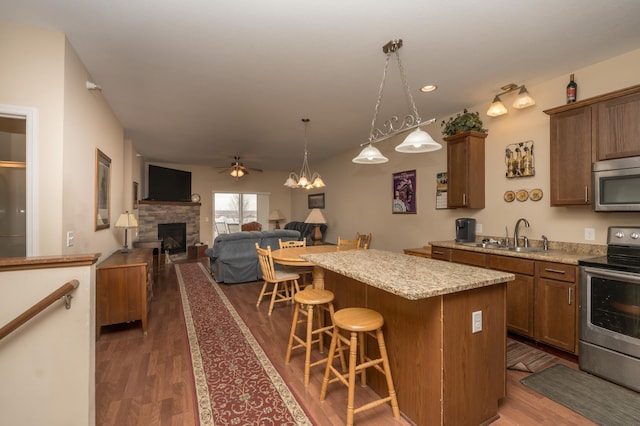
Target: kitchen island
{"points": [[443, 372]]}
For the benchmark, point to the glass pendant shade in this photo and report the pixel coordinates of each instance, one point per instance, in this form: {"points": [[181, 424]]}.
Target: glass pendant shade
{"points": [[523, 100], [307, 180], [370, 155], [496, 108], [418, 141]]}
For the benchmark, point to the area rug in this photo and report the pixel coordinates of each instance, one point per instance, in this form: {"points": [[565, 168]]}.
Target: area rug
{"points": [[603, 402], [235, 382], [523, 357]]}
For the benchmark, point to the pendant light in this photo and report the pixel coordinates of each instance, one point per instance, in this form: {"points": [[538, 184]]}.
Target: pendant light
{"points": [[417, 141], [306, 179]]}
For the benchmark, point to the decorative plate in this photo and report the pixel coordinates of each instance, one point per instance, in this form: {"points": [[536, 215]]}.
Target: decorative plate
{"points": [[535, 194], [522, 195], [509, 196], [195, 198]]}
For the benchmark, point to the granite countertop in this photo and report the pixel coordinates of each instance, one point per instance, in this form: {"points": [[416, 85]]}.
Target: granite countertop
{"points": [[569, 253], [407, 276]]}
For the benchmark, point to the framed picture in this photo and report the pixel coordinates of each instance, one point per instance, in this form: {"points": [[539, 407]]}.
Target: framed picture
{"points": [[103, 190], [316, 201], [404, 192], [135, 195]]}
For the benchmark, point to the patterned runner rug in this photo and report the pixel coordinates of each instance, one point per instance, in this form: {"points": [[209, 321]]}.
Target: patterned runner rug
{"points": [[523, 357], [235, 382]]}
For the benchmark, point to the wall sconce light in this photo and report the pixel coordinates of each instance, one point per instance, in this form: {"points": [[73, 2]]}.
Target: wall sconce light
{"points": [[523, 100], [416, 141], [92, 86]]}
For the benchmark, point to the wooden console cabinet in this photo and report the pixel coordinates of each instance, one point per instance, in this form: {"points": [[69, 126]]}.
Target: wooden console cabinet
{"points": [[124, 285]]}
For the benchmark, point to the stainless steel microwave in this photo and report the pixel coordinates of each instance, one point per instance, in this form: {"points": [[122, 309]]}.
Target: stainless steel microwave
{"points": [[616, 185]]}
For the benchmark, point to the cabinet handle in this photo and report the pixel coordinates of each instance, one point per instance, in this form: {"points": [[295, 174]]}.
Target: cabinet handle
{"points": [[438, 252], [586, 194], [570, 298], [464, 199], [555, 271]]}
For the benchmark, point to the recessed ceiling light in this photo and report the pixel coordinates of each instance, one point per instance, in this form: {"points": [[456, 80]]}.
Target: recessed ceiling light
{"points": [[428, 88]]}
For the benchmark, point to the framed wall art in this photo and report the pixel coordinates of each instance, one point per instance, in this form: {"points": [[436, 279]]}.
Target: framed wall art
{"points": [[103, 189], [316, 201], [404, 192], [519, 159]]}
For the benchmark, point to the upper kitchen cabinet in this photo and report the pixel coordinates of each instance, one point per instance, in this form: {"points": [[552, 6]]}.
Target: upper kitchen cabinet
{"points": [[598, 128], [465, 170]]}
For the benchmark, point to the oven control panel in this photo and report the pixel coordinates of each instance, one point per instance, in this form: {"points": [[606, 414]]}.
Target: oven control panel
{"points": [[624, 235]]}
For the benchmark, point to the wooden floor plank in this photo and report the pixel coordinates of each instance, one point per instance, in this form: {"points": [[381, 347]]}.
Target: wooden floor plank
{"points": [[147, 380]]}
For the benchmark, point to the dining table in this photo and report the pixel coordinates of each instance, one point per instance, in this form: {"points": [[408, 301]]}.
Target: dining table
{"points": [[291, 257]]}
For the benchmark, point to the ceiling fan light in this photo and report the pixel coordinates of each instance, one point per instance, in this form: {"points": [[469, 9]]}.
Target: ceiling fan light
{"points": [[418, 141], [370, 155], [523, 100], [496, 108]]}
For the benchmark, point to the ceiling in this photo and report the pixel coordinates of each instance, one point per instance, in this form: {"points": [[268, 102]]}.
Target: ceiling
{"points": [[201, 81]]}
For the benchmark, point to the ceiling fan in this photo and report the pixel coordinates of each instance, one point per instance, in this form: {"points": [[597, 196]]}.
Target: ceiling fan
{"points": [[237, 169]]}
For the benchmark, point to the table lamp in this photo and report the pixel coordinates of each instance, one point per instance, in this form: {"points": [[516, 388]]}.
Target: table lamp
{"points": [[276, 216], [126, 220], [316, 218]]}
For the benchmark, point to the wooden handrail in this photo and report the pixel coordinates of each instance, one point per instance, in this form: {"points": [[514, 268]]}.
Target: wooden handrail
{"points": [[38, 307]]}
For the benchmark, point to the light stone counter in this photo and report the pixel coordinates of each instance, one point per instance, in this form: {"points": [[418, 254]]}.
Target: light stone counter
{"points": [[407, 276]]}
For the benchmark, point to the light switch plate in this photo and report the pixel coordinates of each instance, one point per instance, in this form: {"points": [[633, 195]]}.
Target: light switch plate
{"points": [[476, 322]]}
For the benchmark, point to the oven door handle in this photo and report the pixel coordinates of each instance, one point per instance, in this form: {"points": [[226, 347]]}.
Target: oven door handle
{"points": [[611, 274]]}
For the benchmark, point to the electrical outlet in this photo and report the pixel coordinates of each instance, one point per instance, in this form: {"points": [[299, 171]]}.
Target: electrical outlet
{"points": [[70, 238], [478, 228], [589, 234], [476, 322]]}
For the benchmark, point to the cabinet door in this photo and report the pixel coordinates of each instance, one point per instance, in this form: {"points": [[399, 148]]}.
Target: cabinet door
{"points": [[520, 296], [465, 170], [467, 257], [457, 174], [111, 289], [618, 131], [556, 313], [571, 156]]}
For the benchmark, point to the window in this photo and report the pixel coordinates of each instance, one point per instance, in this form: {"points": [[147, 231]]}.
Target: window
{"points": [[231, 210]]}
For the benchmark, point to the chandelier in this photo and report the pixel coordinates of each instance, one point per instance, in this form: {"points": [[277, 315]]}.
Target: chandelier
{"points": [[416, 141], [306, 179]]}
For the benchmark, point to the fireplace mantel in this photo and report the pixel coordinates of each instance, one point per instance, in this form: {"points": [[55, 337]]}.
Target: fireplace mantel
{"points": [[169, 203], [152, 213]]}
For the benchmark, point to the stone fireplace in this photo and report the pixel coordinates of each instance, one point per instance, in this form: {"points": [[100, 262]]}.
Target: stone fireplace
{"points": [[154, 213], [173, 236]]}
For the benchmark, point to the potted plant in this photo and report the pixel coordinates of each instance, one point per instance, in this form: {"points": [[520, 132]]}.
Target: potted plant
{"points": [[467, 121]]}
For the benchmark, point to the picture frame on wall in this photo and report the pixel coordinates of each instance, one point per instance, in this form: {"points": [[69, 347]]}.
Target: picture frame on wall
{"points": [[103, 191], [404, 192], [316, 201]]}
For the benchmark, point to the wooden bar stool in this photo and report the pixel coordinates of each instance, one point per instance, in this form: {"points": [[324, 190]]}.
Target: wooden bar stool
{"points": [[311, 297], [359, 321]]}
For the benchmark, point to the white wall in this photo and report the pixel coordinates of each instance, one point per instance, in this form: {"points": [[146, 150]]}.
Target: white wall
{"points": [[358, 197]]}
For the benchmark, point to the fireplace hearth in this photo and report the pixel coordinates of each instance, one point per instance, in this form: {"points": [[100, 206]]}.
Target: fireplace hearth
{"points": [[174, 237]]}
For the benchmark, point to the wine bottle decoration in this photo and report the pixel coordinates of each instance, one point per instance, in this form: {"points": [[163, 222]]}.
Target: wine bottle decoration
{"points": [[572, 91]]}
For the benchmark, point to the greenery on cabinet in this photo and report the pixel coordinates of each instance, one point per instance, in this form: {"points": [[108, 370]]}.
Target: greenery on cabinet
{"points": [[463, 122]]}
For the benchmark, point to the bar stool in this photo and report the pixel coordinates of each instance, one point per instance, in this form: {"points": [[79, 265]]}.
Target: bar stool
{"points": [[311, 297], [359, 321]]}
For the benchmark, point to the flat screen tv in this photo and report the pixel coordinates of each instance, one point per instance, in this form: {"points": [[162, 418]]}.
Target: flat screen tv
{"points": [[169, 184]]}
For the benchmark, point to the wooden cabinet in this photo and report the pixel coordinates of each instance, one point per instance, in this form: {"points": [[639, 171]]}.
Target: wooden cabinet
{"points": [[570, 157], [599, 128], [520, 292], [465, 170], [124, 286], [618, 127], [541, 301], [196, 252], [419, 251], [556, 305]]}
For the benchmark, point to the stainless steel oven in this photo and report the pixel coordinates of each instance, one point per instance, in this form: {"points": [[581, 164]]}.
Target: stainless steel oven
{"points": [[610, 310], [616, 185]]}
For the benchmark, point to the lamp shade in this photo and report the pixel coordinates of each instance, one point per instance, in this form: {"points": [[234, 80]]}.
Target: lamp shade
{"points": [[418, 141], [315, 217], [127, 220], [276, 215], [370, 155], [523, 100], [496, 108]]}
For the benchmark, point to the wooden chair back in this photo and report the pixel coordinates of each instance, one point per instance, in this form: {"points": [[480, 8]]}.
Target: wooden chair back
{"points": [[344, 244], [266, 263], [252, 226], [364, 240], [292, 244]]}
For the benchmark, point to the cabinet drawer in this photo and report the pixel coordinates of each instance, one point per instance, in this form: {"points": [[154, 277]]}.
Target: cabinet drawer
{"points": [[466, 257], [441, 253], [556, 271], [511, 264]]}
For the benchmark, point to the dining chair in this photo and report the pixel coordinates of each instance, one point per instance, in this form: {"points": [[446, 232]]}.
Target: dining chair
{"points": [[285, 283], [364, 240], [233, 227], [221, 228], [344, 244], [305, 271]]}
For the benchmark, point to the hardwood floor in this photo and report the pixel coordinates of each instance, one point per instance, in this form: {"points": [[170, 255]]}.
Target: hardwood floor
{"points": [[147, 380]]}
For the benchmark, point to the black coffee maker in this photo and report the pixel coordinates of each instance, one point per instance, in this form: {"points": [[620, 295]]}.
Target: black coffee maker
{"points": [[465, 230]]}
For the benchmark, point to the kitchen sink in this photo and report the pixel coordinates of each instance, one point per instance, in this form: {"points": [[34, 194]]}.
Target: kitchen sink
{"points": [[495, 246], [524, 249]]}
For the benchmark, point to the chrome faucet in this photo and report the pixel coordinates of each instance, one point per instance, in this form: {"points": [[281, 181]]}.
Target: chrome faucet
{"points": [[515, 231]]}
